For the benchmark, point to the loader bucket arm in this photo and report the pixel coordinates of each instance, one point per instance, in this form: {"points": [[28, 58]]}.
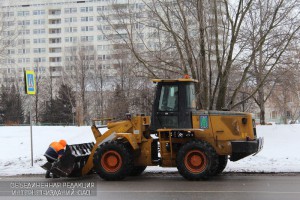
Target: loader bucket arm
{"points": [[111, 134]]}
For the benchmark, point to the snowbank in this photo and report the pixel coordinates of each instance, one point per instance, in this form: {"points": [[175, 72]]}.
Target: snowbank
{"points": [[280, 152]]}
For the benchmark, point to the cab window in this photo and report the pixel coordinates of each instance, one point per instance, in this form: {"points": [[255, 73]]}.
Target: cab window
{"points": [[168, 98]]}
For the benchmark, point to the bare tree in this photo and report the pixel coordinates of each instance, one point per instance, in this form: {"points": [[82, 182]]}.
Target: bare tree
{"points": [[78, 61], [9, 34], [270, 27], [98, 79], [207, 39], [285, 98]]}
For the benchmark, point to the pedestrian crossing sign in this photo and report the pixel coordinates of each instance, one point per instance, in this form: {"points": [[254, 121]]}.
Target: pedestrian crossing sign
{"points": [[30, 82]]}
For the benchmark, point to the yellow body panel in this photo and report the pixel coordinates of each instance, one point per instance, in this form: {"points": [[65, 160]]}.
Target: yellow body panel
{"points": [[143, 158]]}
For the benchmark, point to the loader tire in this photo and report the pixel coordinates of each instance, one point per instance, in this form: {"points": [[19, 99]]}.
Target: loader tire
{"points": [[113, 161], [222, 164], [137, 170], [197, 160]]}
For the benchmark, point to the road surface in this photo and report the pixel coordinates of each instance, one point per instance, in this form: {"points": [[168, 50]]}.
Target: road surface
{"points": [[166, 186]]}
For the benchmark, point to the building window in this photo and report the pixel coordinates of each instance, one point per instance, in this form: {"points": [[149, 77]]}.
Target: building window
{"points": [[54, 12], [101, 18], [24, 32], [43, 59], [87, 38], [103, 57], [23, 13], [39, 40], [101, 38], [10, 51], [10, 43], [104, 66], [39, 50], [39, 31], [273, 114], [8, 14], [10, 61], [23, 41], [71, 49], [86, 9], [38, 21], [87, 28], [55, 21], [55, 59], [102, 8], [70, 19], [55, 50], [54, 40], [87, 19], [8, 33], [103, 27], [70, 39], [39, 12], [8, 23], [103, 47], [23, 60], [70, 10], [23, 51], [71, 29], [87, 48], [24, 22]]}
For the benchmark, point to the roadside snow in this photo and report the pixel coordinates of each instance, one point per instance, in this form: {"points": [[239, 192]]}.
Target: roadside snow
{"points": [[280, 152]]}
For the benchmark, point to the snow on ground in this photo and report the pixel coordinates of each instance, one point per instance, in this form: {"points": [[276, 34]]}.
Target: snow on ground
{"points": [[280, 152]]}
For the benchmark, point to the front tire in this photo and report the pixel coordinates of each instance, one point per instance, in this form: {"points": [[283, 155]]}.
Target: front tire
{"points": [[113, 161], [197, 160]]}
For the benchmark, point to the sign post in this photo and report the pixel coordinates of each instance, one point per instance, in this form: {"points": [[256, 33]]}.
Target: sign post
{"points": [[30, 88]]}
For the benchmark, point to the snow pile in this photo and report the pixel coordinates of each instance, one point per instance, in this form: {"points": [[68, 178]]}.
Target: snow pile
{"points": [[280, 152]]}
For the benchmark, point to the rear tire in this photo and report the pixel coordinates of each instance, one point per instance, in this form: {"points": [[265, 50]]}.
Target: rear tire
{"points": [[137, 170], [197, 160], [113, 161]]}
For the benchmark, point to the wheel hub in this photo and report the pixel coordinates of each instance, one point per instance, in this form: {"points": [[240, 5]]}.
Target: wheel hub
{"points": [[111, 161], [195, 161]]}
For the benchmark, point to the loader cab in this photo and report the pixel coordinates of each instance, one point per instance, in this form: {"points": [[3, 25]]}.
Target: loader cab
{"points": [[173, 105]]}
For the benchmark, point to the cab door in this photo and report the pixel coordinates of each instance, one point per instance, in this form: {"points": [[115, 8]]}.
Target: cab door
{"points": [[173, 105], [168, 109]]}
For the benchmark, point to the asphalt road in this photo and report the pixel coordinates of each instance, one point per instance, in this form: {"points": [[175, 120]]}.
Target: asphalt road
{"points": [[160, 187]]}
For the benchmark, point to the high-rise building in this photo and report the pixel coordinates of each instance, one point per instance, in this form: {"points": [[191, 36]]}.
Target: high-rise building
{"points": [[42, 35]]}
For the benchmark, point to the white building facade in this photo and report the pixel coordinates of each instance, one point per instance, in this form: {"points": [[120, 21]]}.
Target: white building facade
{"points": [[47, 31]]}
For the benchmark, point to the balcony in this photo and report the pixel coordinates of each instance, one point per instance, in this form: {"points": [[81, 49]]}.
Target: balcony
{"points": [[54, 31], [55, 54], [54, 14], [54, 45], [55, 26], [55, 64], [55, 42], [54, 50]]}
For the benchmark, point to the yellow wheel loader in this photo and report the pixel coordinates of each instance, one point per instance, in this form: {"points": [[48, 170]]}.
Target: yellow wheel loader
{"points": [[197, 142]]}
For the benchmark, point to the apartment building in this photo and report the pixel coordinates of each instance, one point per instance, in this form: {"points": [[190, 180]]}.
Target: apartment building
{"points": [[48, 32]]}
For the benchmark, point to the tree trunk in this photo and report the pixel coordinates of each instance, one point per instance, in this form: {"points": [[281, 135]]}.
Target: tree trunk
{"points": [[222, 94], [261, 102]]}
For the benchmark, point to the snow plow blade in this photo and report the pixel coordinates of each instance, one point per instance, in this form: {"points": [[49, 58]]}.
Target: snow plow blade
{"points": [[72, 162]]}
